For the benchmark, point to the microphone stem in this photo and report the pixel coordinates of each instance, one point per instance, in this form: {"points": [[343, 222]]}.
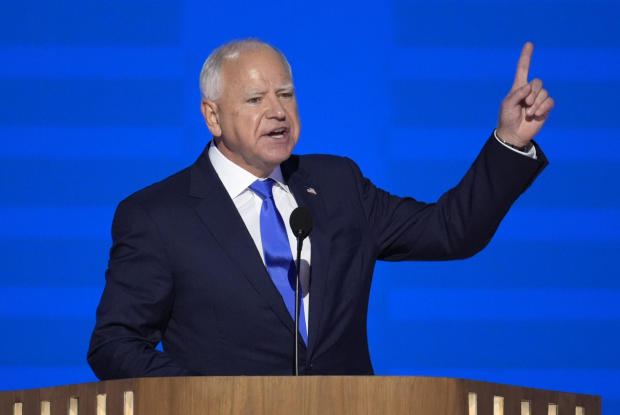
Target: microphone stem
{"points": [[300, 241]]}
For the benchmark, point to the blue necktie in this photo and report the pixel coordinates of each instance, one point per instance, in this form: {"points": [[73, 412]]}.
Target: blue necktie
{"points": [[278, 257]]}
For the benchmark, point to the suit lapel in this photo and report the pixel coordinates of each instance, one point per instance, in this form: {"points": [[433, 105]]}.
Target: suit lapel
{"points": [[218, 212], [307, 194]]}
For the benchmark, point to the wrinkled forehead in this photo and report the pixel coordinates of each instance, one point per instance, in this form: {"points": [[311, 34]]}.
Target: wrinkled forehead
{"points": [[253, 68]]}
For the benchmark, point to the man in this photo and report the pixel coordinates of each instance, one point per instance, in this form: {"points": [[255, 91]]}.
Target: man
{"points": [[201, 260]]}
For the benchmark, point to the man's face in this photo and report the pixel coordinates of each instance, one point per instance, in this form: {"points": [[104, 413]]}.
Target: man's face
{"points": [[256, 115]]}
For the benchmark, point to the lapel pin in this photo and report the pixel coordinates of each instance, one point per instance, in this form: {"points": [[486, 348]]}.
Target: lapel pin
{"points": [[311, 191]]}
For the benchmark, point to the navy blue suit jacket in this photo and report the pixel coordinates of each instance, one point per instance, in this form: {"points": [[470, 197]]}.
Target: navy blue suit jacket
{"points": [[184, 270]]}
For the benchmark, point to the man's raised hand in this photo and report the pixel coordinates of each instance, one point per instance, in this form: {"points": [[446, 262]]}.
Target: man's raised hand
{"points": [[526, 107]]}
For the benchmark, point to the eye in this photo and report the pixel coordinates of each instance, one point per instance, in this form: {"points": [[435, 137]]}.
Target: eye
{"points": [[254, 100], [286, 95]]}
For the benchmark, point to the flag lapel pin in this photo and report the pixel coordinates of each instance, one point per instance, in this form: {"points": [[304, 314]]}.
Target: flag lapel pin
{"points": [[311, 190]]}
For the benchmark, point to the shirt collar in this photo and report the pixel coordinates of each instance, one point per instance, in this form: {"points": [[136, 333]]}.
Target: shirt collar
{"points": [[235, 178]]}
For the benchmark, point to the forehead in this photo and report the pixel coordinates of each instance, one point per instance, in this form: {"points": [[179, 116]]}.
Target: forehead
{"points": [[259, 67]]}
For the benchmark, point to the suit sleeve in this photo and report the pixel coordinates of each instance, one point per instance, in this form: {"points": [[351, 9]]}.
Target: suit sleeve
{"points": [[136, 301], [462, 221]]}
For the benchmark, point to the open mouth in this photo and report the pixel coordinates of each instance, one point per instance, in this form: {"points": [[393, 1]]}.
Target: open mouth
{"points": [[278, 132]]}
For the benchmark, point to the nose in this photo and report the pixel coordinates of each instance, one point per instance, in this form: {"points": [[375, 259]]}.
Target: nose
{"points": [[276, 109]]}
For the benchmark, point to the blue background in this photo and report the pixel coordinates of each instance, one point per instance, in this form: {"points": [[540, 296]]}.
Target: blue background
{"points": [[99, 99]]}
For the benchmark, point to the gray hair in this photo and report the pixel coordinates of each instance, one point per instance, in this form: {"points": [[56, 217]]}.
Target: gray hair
{"points": [[211, 84]]}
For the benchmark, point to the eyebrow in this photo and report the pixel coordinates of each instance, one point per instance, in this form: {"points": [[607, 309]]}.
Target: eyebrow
{"points": [[258, 91], [255, 91], [286, 86]]}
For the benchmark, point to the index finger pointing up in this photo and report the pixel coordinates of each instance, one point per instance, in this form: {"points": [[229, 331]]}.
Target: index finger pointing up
{"points": [[523, 67]]}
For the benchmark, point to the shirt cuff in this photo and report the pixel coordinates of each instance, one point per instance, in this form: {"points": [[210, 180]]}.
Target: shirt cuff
{"points": [[531, 153]]}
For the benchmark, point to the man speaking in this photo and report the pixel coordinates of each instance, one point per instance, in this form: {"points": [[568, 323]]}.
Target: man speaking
{"points": [[203, 261]]}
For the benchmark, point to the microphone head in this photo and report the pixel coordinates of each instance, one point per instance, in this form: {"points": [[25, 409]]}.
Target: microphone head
{"points": [[301, 222]]}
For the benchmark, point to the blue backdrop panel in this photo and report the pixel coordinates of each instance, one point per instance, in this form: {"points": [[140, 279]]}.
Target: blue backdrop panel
{"points": [[101, 99]]}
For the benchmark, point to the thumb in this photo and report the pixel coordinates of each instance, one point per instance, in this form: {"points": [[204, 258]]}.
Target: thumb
{"points": [[516, 96]]}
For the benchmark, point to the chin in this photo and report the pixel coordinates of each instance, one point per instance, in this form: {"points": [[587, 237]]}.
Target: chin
{"points": [[275, 158], [278, 151]]}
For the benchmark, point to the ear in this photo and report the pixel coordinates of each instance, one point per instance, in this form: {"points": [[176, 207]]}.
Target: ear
{"points": [[209, 111]]}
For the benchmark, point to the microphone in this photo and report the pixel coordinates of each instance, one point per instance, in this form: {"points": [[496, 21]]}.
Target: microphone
{"points": [[301, 225], [301, 222]]}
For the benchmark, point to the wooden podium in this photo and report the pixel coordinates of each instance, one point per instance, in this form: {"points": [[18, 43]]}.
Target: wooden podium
{"points": [[322, 395]]}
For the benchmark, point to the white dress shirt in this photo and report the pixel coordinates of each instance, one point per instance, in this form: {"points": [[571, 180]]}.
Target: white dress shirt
{"points": [[236, 181]]}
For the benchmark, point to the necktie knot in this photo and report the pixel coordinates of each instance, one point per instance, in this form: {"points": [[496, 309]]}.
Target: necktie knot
{"points": [[263, 188]]}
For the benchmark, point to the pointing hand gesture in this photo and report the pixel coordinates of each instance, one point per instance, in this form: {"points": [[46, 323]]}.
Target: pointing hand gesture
{"points": [[526, 107]]}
